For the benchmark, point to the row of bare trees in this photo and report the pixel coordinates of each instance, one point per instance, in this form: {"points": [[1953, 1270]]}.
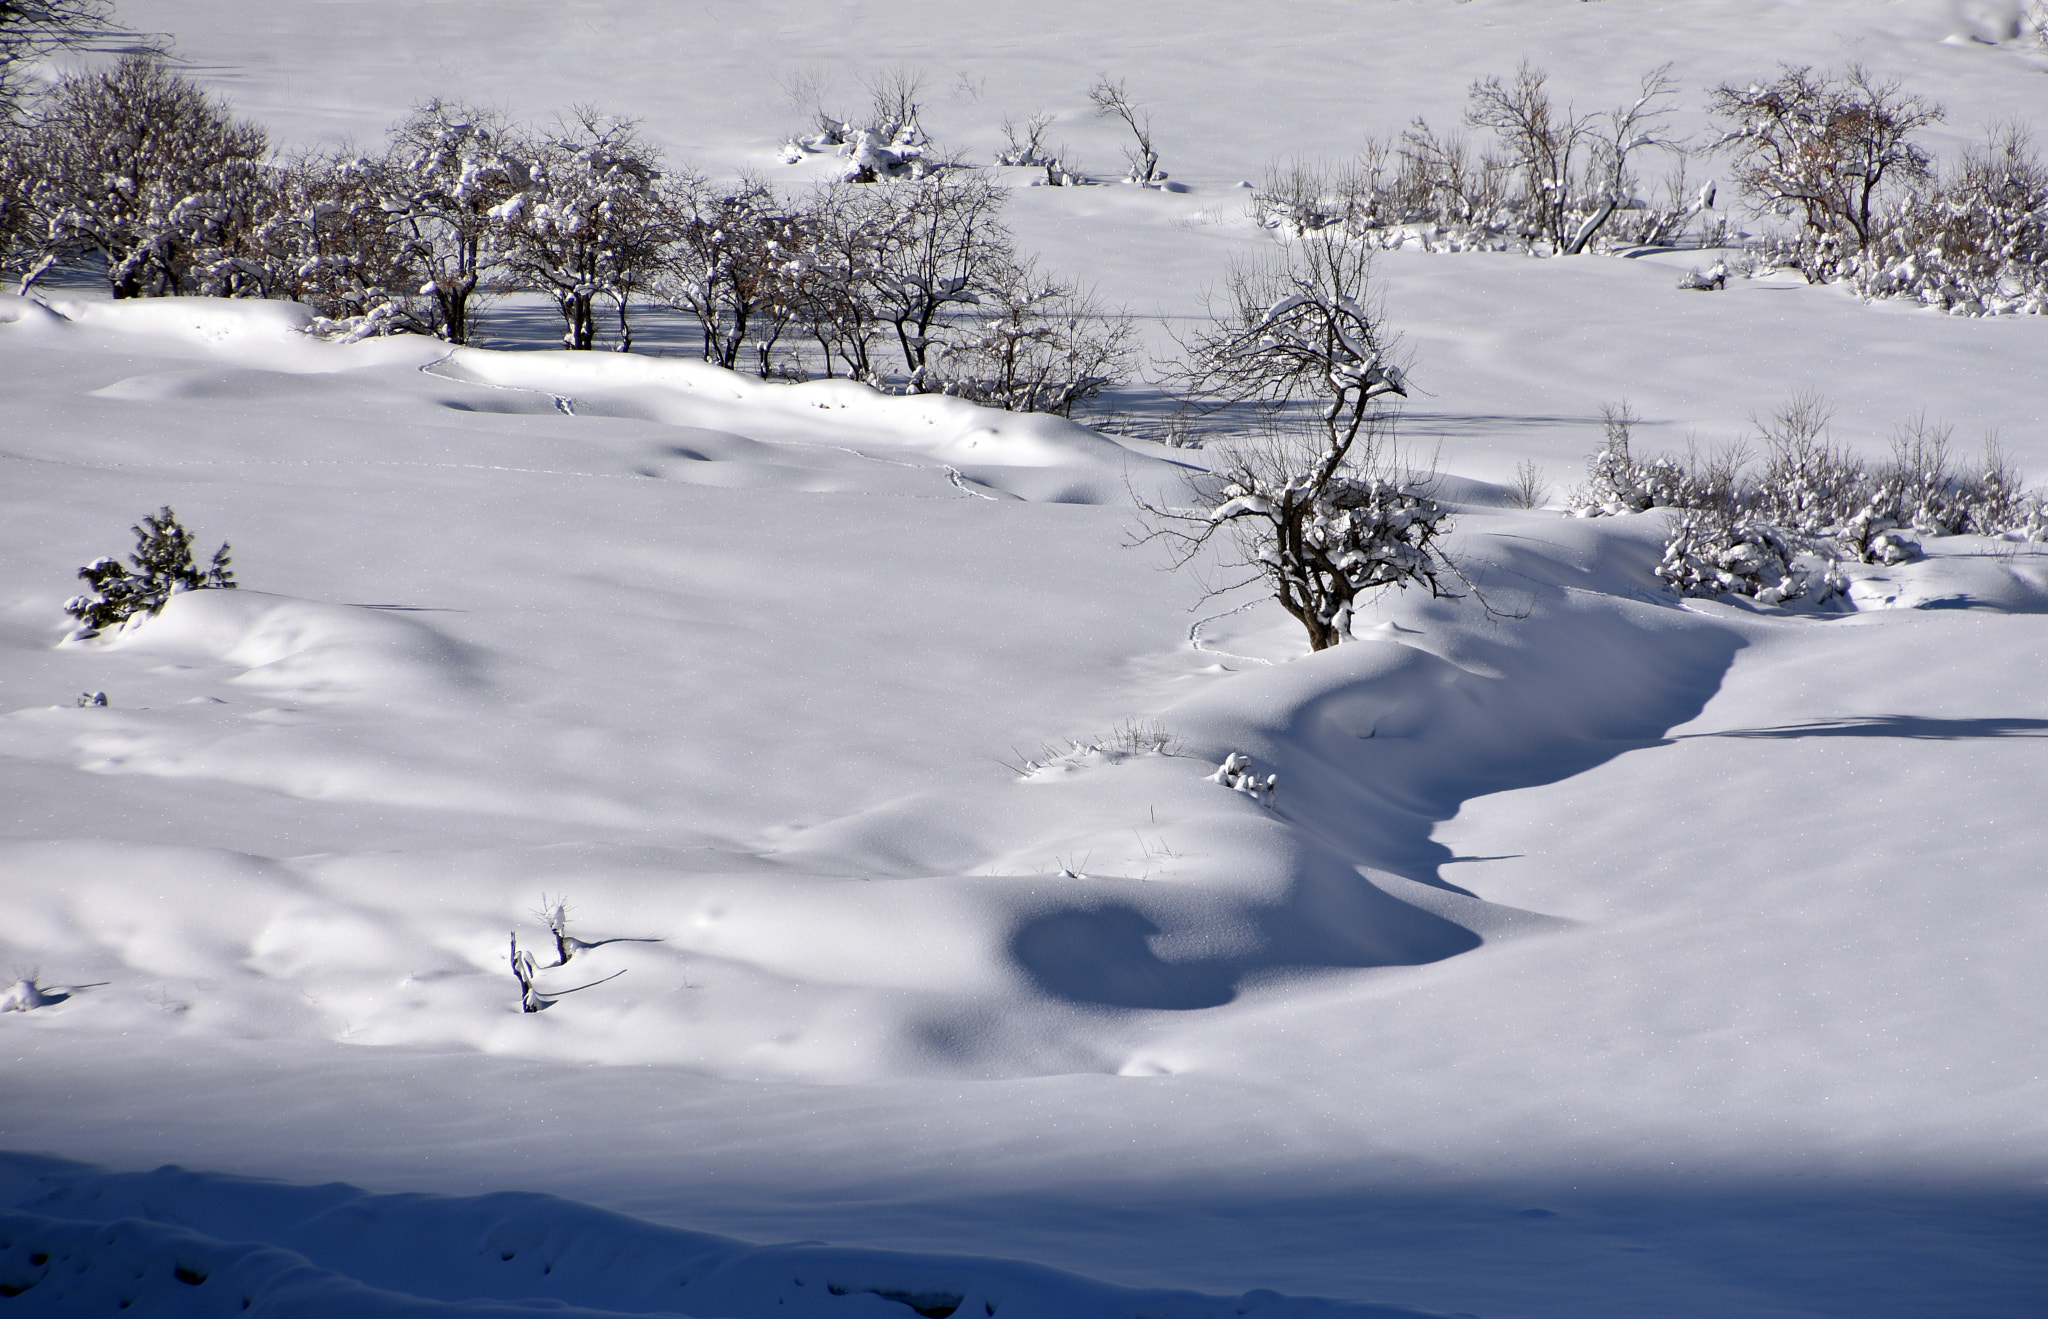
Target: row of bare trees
{"points": [[1833, 158], [911, 282]]}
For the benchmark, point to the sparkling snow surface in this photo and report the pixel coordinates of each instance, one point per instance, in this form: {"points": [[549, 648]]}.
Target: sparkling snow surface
{"points": [[1612, 956]]}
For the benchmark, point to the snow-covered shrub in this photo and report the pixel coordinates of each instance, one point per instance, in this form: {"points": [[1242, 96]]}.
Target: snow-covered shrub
{"points": [[590, 220], [1809, 485], [1130, 739], [163, 566], [1713, 279], [1236, 774], [1975, 244], [25, 995], [1618, 482], [1710, 554], [1035, 343], [137, 165], [1322, 511], [890, 143], [1111, 101]]}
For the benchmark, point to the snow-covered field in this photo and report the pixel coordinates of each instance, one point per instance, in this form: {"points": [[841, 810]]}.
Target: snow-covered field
{"points": [[1607, 955]]}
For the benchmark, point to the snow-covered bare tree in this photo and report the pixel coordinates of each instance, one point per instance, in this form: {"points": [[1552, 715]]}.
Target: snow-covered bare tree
{"points": [[1036, 343], [137, 165], [447, 167], [737, 266], [1626, 130], [1545, 141], [943, 245], [847, 226], [1826, 148], [18, 246], [590, 221], [1320, 508]]}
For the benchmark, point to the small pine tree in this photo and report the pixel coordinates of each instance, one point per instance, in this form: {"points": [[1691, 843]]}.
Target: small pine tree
{"points": [[163, 566]]}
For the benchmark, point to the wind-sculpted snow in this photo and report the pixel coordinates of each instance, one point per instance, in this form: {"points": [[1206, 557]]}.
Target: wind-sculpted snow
{"points": [[942, 876], [172, 1242]]}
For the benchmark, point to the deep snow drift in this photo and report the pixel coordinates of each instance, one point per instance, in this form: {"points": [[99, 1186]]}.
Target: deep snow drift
{"points": [[1601, 954]]}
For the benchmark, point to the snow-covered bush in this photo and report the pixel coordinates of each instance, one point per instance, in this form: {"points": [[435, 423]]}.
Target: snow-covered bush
{"points": [[163, 565], [890, 143], [1236, 773], [1809, 485], [1713, 279], [136, 165], [1549, 180], [1710, 554], [1618, 482], [1130, 739], [26, 995], [1320, 508]]}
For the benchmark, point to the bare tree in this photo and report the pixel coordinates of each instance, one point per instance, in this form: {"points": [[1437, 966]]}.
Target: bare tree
{"points": [[1544, 139], [30, 29], [1826, 148], [1112, 102], [1629, 129], [1320, 508]]}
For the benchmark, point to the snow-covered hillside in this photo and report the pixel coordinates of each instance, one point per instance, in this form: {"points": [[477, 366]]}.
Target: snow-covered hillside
{"points": [[1597, 952]]}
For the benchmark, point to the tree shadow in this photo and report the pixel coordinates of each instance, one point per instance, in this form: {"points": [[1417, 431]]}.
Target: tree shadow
{"points": [[1891, 725]]}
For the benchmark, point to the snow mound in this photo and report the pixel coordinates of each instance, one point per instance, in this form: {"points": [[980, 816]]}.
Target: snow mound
{"points": [[173, 1242], [300, 649], [1028, 455]]}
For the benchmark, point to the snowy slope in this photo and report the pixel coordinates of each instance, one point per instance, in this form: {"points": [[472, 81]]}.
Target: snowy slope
{"points": [[1603, 955]]}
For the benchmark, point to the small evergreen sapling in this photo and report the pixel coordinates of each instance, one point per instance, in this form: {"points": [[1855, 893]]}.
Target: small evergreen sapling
{"points": [[163, 566]]}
